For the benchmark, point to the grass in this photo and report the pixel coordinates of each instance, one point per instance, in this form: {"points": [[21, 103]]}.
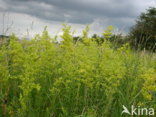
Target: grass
{"points": [[41, 78]]}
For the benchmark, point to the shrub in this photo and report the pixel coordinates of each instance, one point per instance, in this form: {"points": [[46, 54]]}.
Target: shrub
{"points": [[143, 34]]}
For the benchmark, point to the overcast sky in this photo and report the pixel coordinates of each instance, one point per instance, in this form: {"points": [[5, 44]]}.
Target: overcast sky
{"points": [[32, 15]]}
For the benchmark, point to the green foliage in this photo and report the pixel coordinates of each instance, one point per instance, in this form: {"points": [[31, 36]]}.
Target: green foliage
{"points": [[143, 34], [67, 37], [40, 78], [85, 38], [106, 36], [108, 32]]}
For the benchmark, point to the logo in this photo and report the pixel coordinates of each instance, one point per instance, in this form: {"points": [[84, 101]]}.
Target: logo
{"points": [[138, 111]]}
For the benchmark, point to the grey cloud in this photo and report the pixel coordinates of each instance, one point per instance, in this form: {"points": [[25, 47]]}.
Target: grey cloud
{"points": [[79, 11], [54, 13]]}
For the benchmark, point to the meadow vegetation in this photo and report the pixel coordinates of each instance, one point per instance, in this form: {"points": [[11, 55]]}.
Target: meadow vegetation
{"points": [[89, 78]]}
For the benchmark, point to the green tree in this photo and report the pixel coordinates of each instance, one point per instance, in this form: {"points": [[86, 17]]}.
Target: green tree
{"points": [[143, 34]]}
